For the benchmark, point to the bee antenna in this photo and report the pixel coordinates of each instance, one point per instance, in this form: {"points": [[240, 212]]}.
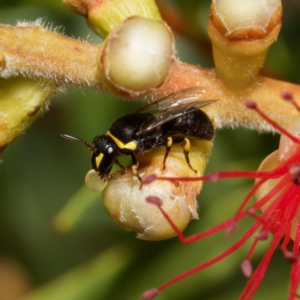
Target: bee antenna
{"points": [[74, 139]]}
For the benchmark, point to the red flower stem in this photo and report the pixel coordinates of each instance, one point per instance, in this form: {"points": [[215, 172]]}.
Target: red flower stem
{"points": [[208, 263]]}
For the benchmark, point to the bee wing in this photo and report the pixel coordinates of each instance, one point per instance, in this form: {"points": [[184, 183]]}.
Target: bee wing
{"points": [[170, 113], [175, 99]]}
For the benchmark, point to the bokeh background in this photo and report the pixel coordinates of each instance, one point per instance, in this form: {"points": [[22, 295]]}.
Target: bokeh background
{"points": [[81, 254]]}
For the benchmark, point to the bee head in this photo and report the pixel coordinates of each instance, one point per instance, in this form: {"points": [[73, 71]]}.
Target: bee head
{"points": [[103, 152]]}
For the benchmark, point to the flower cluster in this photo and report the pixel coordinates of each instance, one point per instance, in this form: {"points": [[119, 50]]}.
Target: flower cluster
{"points": [[276, 213]]}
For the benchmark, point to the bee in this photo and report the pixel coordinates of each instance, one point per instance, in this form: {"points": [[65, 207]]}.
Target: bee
{"points": [[163, 123]]}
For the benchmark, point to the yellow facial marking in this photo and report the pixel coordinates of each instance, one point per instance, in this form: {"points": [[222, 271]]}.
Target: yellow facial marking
{"points": [[98, 160], [129, 146]]}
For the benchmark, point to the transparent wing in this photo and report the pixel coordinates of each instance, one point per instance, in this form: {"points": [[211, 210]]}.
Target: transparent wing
{"points": [[184, 96], [171, 107]]}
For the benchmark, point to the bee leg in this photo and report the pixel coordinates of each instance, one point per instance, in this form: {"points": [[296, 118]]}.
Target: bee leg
{"points": [[134, 168], [186, 151], [124, 169], [168, 148]]}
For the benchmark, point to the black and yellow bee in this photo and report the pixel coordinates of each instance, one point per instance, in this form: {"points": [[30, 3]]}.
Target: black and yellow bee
{"points": [[168, 121]]}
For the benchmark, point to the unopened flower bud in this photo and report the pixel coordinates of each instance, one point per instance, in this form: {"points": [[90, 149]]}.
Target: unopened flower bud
{"points": [[138, 55], [22, 101], [93, 182], [125, 199], [104, 16], [241, 32]]}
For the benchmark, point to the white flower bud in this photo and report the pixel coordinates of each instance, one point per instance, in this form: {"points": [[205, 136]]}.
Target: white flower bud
{"points": [[138, 55], [126, 202], [241, 32], [241, 14], [93, 182]]}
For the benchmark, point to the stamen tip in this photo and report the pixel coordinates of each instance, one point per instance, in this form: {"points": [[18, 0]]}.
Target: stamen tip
{"points": [[250, 211], [290, 256], [246, 268], [231, 229], [250, 104], [286, 95], [214, 176], [148, 179], [262, 236], [150, 294], [295, 173], [154, 200]]}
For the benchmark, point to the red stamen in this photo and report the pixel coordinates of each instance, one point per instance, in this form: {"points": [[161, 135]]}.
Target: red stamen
{"points": [[295, 272], [154, 200], [288, 96], [208, 263], [150, 294], [277, 172], [246, 268], [280, 206], [198, 236], [148, 179], [290, 256], [295, 278], [251, 250], [262, 236], [231, 229], [255, 280], [214, 176], [295, 173], [283, 247], [250, 104]]}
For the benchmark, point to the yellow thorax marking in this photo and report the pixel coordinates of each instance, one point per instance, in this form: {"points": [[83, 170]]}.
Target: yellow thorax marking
{"points": [[98, 159], [129, 146]]}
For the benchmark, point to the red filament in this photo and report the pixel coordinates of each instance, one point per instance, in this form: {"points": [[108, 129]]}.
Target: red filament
{"points": [[276, 218]]}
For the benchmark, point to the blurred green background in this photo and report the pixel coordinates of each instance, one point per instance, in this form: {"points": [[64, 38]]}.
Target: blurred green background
{"points": [[41, 172]]}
